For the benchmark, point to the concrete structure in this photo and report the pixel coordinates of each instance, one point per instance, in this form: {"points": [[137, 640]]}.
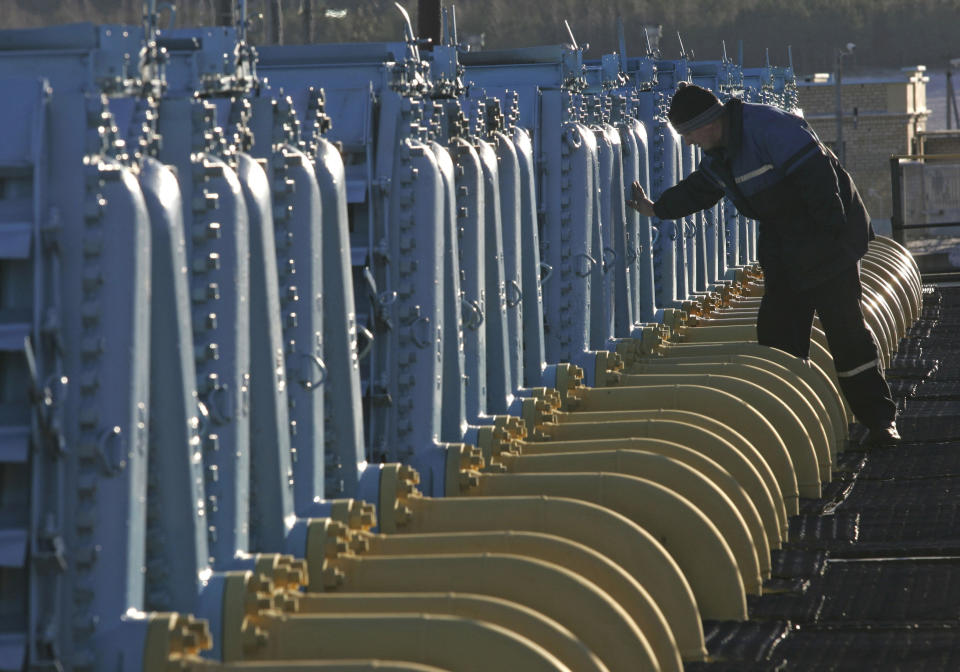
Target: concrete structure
{"points": [[882, 115], [938, 142]]}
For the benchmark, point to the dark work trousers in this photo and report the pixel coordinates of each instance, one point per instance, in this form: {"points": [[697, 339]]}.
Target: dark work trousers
{"points": [[785, 320]]}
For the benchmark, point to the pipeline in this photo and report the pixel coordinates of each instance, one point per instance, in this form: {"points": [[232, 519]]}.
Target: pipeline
{"points": [[352, 357]]}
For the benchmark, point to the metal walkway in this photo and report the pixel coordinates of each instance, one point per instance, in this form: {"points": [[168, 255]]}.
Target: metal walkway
{"points": [[871, 577]]}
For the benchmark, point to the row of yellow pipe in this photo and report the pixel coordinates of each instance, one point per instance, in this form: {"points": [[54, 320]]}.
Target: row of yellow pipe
{"points": [[594, 533]]}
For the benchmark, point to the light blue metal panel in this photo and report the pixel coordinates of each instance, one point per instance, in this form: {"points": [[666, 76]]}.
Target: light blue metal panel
{"points": [[177, 526], [343, 407], [602, 273], [511, 209], [221, 321], [114, 320], [106, 243], [416, 355], [665, 169], [33, 490], [271, 472], [116, 390], [499, 383], [534, 360], [298, 269], [567, 241], [23, 118], [623, 269], [639, 231], [301, 267], [215, 215], [686, 251], [471, 215], [454, 407], [13, 651]]}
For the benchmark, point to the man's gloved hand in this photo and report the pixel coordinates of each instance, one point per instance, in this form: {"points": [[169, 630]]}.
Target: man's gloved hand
{"points": [[640, 202]]}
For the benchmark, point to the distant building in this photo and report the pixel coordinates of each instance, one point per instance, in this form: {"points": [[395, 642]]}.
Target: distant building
{"points": [[882, 115]]}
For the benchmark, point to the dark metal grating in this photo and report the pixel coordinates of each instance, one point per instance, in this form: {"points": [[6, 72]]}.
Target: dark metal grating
{"points": [[870, 577]]}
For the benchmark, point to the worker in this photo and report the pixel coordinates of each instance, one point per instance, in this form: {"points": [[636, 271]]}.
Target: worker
{"points": [[813, 230]]}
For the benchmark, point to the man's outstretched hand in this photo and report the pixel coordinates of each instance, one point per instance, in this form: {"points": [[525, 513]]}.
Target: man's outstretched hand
{"points": [[640, 202]]}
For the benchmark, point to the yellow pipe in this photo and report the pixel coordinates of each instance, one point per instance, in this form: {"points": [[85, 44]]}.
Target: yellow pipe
{"points": [[808, 380], [904, 270], [898, 282], [679, 439], [746, 333], [909, 272], [888, 291], [610, 534], [874, 315], [816, 426], [687, 534], [819, 348], [578, 605], [342, 665], [573, 556], [516, 618], [447, 642], [173, 642], [813, 368], [902, 260], [742, 529], [740, 415]]}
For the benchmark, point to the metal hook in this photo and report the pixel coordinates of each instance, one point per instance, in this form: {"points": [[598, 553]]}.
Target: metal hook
{"points": [[312, 361], [474, 322], [546, 270], [591, 262], [517, 295], [609, 258], [112, 463], [365, 350]]}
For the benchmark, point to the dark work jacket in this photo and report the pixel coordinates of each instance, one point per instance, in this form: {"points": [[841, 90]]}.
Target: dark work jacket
{"points": [[812, 221]]}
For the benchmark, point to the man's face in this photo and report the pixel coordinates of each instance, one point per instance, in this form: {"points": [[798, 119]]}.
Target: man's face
{"points": [[709, 136]]}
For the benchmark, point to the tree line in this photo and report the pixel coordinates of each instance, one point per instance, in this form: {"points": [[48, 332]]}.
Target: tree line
{"points": [[888, 33]]}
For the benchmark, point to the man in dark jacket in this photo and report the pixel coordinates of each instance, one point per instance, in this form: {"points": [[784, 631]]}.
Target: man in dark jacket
{"points": [[813, 230]]}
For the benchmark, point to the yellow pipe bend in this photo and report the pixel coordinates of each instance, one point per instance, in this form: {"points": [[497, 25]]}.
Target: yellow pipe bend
{"points": [[819, 349], [569, 554], [823, 388], [718, 333], [741, 528], [566, 553], [903, 270], [677, 439], [901, 258], [899, 284], [608, 533], [815, 425], [516, 618], [883, 283], [910, 273], [687, 534], [736, 412], [820, 358], [341, 665], [442, 641], [578, 605], [348, 666], [879, 322], [807, 381]]}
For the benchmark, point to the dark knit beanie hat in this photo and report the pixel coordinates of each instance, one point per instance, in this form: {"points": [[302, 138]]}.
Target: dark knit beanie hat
{"points": [[693, 106]]}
